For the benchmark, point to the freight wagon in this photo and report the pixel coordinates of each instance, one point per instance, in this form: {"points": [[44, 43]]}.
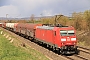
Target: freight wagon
{"points": [[0, 24]]}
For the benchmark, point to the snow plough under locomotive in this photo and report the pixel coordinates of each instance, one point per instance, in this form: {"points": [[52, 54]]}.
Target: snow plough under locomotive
{"points": [[62, 39]]}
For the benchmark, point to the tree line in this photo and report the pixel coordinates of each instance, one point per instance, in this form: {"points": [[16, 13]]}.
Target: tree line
{"points": [[80, 20]]}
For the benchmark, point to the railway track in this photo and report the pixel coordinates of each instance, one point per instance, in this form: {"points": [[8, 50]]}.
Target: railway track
{"points": [[84, 48], [83, 55], [49, 53], [84, 51], [75, 57]]}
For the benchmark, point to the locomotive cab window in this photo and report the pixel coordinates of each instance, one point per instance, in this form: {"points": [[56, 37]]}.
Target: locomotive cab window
{"points": [[67, 32], [71, 32]]}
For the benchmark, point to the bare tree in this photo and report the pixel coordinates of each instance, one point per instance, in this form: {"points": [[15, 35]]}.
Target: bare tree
{"points": [[32, 18]]}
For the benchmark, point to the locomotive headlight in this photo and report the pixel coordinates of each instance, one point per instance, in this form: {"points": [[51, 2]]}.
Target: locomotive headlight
{"points": [[63, 39], [73, 39]]}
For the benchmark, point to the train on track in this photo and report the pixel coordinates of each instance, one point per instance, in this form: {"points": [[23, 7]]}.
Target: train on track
{"points": [[61, 38]]}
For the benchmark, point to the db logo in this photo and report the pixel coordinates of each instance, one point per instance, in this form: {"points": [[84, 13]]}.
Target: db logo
{"points": [[68, 39]]}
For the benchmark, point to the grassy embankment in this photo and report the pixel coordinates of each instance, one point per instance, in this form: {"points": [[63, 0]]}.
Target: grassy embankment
{"points": [[8, 51]]}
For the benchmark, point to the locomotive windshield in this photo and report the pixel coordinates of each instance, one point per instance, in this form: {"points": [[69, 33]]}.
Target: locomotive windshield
{"points": [[67, 32]]}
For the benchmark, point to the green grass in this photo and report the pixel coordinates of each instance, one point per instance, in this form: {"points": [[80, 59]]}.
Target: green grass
{"points": [[10, 52]]}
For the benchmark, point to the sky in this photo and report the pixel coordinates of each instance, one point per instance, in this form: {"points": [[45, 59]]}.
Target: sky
{"points": [[25, 8]]}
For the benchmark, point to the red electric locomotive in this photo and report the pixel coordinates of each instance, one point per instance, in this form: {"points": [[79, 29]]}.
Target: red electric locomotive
{"points": [[61, 38]]}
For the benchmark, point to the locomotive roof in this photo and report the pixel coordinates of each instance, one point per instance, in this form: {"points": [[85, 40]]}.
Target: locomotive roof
{"points": [[50, 28], [45, 27]]}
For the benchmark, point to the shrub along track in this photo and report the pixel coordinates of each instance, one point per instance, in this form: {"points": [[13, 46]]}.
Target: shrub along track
{"points": [[47, 52]]}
